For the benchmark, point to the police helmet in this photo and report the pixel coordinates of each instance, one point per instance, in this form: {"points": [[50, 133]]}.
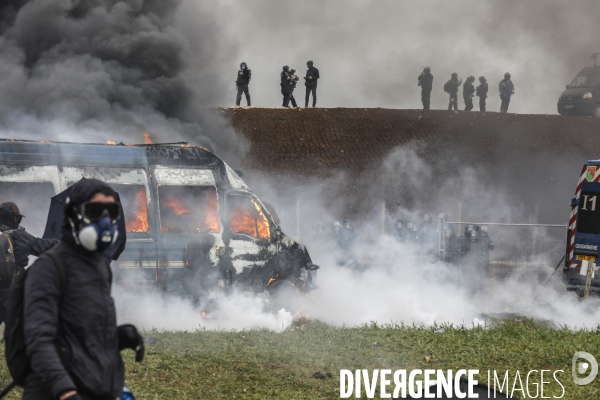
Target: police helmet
{"points": [[454, 75], [507, 75], [243, 64], [484, 231], [336, 227], [292, 71], [427, 69], [347, 224], [482, 79], [471, 233], [309, 63], [471, 78], [10, 214], [468, 228], [285, 67], [399, 224]]}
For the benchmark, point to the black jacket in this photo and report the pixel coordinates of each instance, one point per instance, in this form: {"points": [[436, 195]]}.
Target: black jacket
{"points": [[453, 85], [482, 90], [71, 338], [287, 82], [312, 71], [426, 81], [243, 77], [25, 245], [468, 89]]}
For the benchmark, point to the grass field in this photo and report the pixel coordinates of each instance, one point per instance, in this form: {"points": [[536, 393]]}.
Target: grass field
{"points": [[259, 364]]}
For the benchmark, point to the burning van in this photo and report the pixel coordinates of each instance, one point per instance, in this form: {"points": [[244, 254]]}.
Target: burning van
{"points": [[583, 234], [192, 224]]}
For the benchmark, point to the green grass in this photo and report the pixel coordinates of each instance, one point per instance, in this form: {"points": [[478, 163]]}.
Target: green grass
{"points": [[260, 364]]}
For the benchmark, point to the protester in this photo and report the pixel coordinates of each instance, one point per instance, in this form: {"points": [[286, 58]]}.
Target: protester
{"points": [[426, 82], [71, 335], [312, 74], [507, 89]]}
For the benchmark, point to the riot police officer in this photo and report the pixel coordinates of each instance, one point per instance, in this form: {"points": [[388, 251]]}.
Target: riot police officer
{"points": [[468, 90], [451, 87], [400, 231], [482, 91], [426, 82], [241, 84]]}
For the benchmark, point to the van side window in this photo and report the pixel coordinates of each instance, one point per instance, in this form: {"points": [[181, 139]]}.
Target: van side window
{"points": [[33, 199], [185, 209], [135, 206], [247, 217]]}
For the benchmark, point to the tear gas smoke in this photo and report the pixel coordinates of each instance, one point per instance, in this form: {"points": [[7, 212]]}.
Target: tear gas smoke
{"points": [[98, 69], [380, 279]]}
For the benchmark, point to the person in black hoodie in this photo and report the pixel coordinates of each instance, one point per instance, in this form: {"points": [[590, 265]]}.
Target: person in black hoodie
{"points": [[426, 83], [468, 90], [24, 245], [482, 90], [72, 338], [241, 84], [312, 74]]}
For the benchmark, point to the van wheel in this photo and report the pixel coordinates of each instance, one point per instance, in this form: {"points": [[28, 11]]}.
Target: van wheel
{"points": [[597, 111]]}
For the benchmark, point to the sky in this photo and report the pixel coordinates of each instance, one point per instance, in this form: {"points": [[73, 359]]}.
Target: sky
{"points": [[370, 52]]}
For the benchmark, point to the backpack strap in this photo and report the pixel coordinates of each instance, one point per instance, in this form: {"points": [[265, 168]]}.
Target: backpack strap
{"points": [[60, 268]]}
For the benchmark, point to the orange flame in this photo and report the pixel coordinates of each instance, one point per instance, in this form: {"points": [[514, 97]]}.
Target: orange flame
{"points": [[204, 314], [242, 221], [138, 220], [264, 231], [147, 139], [198, 217], [111, 142]]}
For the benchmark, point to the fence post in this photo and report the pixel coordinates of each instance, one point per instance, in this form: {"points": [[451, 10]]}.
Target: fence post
{"points": [[442, 236], [534, 230]]}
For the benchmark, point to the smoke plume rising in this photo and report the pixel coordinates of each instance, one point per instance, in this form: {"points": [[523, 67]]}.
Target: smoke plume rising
{"points": [[100, 69]]}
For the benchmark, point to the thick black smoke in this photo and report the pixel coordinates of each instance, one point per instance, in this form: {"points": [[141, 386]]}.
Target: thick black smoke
{"points": [[92, 70]]}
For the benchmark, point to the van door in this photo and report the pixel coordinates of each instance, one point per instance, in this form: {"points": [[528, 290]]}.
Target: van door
{"points": [[250, 234], [190, 229]]}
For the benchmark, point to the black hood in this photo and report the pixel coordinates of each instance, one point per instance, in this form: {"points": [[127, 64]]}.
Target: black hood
{"points": [[79, 193]]}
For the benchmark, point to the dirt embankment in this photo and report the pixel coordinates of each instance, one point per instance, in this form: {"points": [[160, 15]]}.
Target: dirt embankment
{"points": [[532, 159]]}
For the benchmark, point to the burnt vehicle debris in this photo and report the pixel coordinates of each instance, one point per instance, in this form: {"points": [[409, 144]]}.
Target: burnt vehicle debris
{"points": [[192, 224]]}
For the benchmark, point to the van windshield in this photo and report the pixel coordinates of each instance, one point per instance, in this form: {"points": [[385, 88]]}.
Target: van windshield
{"points": [[586, 81], [33, 200], [185, 209], [135, 206]]}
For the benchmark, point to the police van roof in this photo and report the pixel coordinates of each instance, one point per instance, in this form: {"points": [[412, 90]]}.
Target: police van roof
{"points": [[91, 154]]}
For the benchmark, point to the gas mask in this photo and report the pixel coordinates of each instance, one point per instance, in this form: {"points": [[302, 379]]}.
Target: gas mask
{"points": [[97, 226]]}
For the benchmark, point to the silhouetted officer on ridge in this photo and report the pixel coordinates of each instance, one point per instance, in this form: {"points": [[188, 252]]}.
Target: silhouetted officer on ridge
{"points": [[451, 87], [482, 90], [468, 90], [312, 74], [241, 84], [426, 83]]}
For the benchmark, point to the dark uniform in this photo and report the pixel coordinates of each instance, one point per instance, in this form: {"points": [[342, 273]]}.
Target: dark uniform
{"points": [[482, 90], [426, 83], [242, 82], [474, 256], [24, 245], [451, 87], [400, 232], [288, 82], [468, 90], [312, 74], [507, 89]]}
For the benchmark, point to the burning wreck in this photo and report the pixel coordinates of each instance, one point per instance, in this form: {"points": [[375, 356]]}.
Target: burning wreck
{"points": [[192, 224]]}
